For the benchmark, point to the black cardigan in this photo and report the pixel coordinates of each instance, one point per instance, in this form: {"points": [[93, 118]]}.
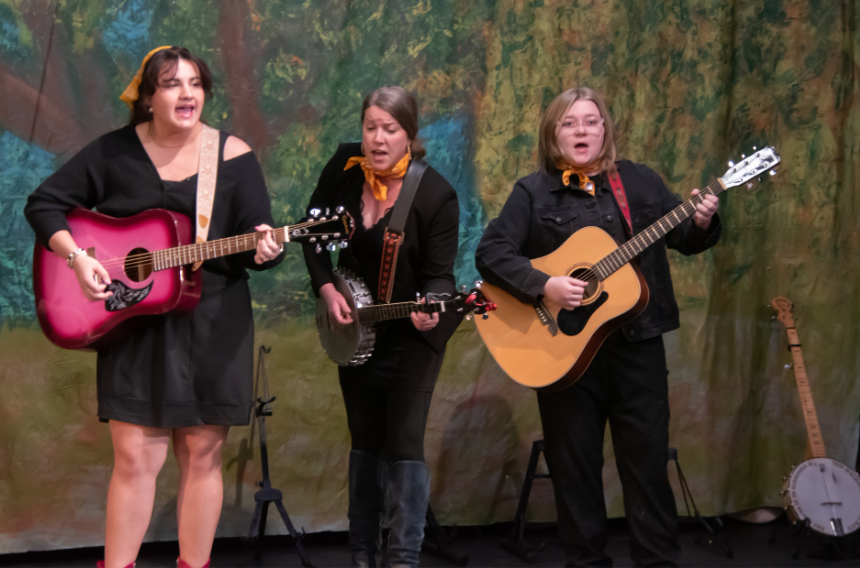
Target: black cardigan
{"points": [[426, 260]]}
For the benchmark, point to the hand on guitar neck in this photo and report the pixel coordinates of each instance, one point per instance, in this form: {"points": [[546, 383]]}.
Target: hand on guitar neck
{"points": [[565, 291], [341, 314]]}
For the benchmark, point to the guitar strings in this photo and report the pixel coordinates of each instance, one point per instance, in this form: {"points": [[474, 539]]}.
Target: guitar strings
{"points": [[147, 258], [591, 274]]}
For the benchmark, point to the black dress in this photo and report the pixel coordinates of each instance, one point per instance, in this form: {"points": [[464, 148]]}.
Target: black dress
{"points": [[403, 357], [183, 370]]}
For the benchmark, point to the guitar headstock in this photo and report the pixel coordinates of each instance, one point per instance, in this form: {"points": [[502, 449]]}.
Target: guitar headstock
{"points": [[325, 229], [474, 301], [751, 168], [783, 310]]}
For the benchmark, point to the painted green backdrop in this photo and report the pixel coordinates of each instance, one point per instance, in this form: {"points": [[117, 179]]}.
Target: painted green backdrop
{"points": [[691, 84]]}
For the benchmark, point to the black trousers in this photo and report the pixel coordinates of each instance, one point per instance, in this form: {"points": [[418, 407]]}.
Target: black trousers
{"points": [[389, 424], [627, 385]]}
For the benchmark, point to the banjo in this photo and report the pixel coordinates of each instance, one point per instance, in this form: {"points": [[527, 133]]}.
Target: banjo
{"points": [[821, 492], [352, 344]]}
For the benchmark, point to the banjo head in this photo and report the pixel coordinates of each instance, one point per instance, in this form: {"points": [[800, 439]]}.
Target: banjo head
{"points": [[827, 494], [346, 344]]}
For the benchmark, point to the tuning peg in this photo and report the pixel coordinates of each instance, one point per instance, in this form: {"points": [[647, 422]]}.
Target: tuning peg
{"points": [[731, 164], [755, 149], [743, 157], [339, 209], [789, 366], [324, 237], [331, 247], [312, 240], [772, 173], [750, 185], [469, 317], [315, 212], [344, 244], [319, 248], [327, 211], [478, 283], [760, 178]]}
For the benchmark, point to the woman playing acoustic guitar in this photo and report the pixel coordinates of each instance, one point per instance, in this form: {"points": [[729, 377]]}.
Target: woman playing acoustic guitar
{"points": [[626, 382], [182, 377]]}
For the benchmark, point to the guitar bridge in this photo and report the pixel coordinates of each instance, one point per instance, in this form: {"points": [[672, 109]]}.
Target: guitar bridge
{"points": [[546, 318]]}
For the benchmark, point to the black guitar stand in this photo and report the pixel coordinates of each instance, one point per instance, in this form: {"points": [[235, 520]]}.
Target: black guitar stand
{"points": [[267, 495], [440, 540], [516, 544], [713, 526]]}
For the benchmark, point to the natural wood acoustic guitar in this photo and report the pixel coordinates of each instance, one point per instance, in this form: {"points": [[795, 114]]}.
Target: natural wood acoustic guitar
{"points": [[546, 347], [821, 492]]}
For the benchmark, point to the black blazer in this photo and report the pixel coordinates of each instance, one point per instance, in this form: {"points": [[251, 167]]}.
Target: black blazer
{"points": [[426, 260]]}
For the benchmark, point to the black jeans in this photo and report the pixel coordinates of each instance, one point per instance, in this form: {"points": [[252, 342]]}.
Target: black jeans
{"points": [[389, 424], [626, 384]]}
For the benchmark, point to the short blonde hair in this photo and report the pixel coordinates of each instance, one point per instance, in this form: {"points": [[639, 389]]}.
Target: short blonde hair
{"points": [[549, 153]]}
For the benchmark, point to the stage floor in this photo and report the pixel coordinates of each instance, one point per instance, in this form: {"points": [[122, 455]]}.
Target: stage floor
{"points": [[750, 544]]}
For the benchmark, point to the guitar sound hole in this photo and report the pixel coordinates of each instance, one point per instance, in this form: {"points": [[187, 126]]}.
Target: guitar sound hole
{"points": [[587, 275], [138, 265]]}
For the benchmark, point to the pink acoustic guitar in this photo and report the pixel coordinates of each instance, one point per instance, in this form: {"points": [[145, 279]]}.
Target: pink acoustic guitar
{"points": [[149, 258]]}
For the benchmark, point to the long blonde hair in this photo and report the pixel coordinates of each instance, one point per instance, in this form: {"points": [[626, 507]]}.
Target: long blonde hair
{"points": [[549, 153]]}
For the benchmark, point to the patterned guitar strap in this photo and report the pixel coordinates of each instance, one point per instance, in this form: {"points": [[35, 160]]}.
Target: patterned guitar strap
{"points": [[207, 175], [394, 231], [620, 197]]}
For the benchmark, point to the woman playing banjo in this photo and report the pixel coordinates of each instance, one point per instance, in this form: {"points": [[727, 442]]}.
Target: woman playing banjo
{"points": [[388, 397]]}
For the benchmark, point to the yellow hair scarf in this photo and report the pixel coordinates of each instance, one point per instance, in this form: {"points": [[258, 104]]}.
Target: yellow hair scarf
{"points": [[380, 191], [129, 95], [585, 183]]}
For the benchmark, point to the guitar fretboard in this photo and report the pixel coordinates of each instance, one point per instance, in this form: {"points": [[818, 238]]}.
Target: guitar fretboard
{"points": [[639, 242], [189, 254], [383, 312]]}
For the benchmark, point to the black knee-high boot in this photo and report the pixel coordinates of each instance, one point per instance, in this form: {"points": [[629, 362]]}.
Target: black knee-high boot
{"points": [[407, 495], [365, 506]]}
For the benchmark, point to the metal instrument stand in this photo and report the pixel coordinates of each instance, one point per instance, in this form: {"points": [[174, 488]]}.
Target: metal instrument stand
{"points": [[440, 541], [516, 544], [713, 531], [267, 495]]}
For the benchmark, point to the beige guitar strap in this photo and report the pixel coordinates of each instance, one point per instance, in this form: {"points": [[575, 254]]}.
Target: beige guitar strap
{"points": [[207, 175]]}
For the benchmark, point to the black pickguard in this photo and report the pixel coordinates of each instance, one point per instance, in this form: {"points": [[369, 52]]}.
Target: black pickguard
{"points": [[572, 322], [124, 297]]}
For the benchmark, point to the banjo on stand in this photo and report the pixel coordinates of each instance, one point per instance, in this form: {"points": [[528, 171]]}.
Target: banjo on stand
{"points": [[822, 492], [352, 344]]}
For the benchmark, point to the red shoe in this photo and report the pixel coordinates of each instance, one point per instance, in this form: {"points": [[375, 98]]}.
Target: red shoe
{"points": [[180, 563], [101, 564]]}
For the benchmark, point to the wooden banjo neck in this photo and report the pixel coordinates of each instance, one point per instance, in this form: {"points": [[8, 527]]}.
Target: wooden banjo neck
{"points": [[815, 446]]}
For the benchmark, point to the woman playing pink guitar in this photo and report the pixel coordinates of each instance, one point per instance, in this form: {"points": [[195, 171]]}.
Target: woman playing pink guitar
{"points": [[182, 377]]}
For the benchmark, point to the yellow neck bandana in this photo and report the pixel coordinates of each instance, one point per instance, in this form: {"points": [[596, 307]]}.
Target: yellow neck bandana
{"points": [[129, 95], [585, 183], [380, 191]]}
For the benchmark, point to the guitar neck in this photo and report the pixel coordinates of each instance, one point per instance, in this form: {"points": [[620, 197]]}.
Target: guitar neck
{"points": [[641, 241], [383, 312], [813, 430], [189, 254]]}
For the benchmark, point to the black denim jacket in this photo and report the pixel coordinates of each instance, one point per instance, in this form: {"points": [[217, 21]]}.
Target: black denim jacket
{"points": [[541, 213]]}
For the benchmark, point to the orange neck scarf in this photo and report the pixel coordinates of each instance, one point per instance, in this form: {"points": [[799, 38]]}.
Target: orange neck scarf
{"points": [[380, 191], [585, 183]]}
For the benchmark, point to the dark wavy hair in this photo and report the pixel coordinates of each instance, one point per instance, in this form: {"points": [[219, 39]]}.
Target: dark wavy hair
{"points": [[402, 106], [161, 62]]}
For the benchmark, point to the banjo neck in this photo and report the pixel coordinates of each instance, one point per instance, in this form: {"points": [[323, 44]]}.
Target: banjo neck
{"points": [[813, 430], [384, 312]]}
